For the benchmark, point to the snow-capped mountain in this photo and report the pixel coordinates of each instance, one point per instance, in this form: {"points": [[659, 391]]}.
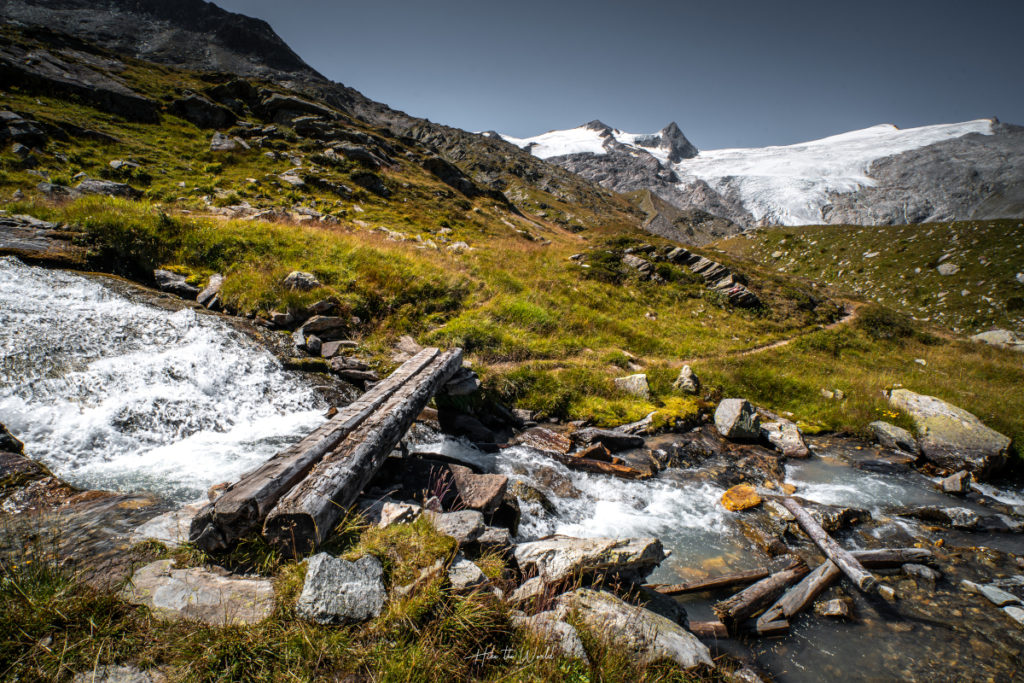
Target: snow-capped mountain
{"points": [[877, 175]]}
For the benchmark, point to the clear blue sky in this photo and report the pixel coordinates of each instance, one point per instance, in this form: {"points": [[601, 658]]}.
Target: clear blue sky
{"points": [[731, 73]]}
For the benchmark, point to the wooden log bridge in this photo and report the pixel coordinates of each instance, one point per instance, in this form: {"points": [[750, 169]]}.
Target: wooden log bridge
{"points": [[297, 496]]}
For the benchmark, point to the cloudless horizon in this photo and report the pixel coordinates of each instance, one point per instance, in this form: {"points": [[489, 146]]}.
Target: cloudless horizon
{"points": [[740, 73]]}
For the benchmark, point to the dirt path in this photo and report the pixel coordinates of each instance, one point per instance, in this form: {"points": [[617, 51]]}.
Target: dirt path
{"points": [[851, 314]]}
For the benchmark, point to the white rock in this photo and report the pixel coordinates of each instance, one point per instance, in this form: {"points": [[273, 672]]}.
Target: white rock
{"points": [[561, 557], [634, 384], [337, 591]]}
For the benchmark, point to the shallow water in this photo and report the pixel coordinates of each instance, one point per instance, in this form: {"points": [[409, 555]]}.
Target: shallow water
{"points": [[111, 392]]}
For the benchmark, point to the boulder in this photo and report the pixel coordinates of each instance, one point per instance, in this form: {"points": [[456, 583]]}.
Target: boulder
{"points": [[175, 284], [494, 538], [635, 385], [483, 492], [283, 108], [956, 484], [327, 328], [735, 418], [170, 528], [952, 437], [896, 438], [301, 281], [210, 296], [223, 143], [551, 628], [24, 131], [561, 557], [648, 636], [1002, 338], [210, 595], [463, 383], [956, 517], [108, 188], [202, 112], [687, 381], [119, 674], [544, 440], [329, 349], [464, 575], [614, 441], [785, 436], [740, 497], [337, 591], [465, 526]]}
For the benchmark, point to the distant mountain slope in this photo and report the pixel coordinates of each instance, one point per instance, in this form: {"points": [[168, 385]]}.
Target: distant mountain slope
{"points": [[878, 175]]}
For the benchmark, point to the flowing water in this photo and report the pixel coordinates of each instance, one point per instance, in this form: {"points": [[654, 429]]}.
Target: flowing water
{"points": [[113, 392]]}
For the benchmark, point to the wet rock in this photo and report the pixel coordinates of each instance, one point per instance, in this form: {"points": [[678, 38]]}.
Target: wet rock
{"points": [[301, 281], [483, 492], [464, 575], [887, 592], [551, 628], [279, 319], [635, 385], [958, 483], [529, 494], [648, 636], [896, 438], [213, 596], [956, 517], [175, 284], [120, 674], [108, 188], [170, 528], [1015, 613], [837, 609], [735, 418], [952, 437], [612, 440], [921, 571], [740, 497], [210, 296], [743, 675], [465, 526], [544, 440], [687, 381], [561, 557], [340, 592], [9, 443], [786, 438], [997, 596]]}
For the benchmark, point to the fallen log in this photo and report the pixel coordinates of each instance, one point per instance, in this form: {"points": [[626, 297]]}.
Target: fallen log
{"points": [[305, 515], [243, 506], [601, 467], [708, 629], [723, 581], [747, 602], [832, 550]]}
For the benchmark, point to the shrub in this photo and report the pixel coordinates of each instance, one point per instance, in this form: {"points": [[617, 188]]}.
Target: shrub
{"points": [[882, 323]]}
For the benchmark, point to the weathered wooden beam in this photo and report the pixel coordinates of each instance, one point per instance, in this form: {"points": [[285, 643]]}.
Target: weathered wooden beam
{"points": [[305, 515], [747, 602], [601, 467], [832, 550], [243, 506], [708, 629], [723, 581]]}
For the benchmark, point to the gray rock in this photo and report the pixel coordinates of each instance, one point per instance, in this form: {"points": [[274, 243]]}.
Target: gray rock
{"points": [[108, 188], [329, 349], [300, 280], [175, 284], [634, 384], [210, 296], [464, 383], [465, 526], [997, 596], [337, 591], [785, 436], [551, 628], [614, 441], [326, 328], [687, 381], [735, 418], [170, 528], [837, 609], [562, 557], [464, 575], [213, 596], [222, 143], [958, 483], [921, 571], [896, 438], [952, 437], [648, 636], [482, 492], [202, 112], [1002, 338], [956, 517], [279, 319], [1015, 613], [119, 674], [947, 268], [494, 538], [529, 590], [398, 513]]}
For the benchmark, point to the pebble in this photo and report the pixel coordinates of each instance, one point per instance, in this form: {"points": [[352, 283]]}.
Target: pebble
{"points": [[997, 596], [1015, 613], [921, 572]]}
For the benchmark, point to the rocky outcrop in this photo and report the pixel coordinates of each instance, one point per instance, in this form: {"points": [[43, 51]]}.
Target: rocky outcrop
{"points": [[1006, 339], [648, 637], [561, 557], [211, 595], [202, 112], [952, 437], [337, 591], [896, 438]]}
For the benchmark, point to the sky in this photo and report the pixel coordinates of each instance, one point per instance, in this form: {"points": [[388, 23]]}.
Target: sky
{"points": [[731, 73]]}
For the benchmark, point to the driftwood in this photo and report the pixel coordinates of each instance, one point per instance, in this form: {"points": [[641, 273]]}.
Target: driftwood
{"points": [[708, 629], [305, 515], [601, 467], [241, 509], [832, 550], [749, 601], [723, 581]]}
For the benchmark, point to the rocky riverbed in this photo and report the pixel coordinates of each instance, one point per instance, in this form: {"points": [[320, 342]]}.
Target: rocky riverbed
{"points": [[115, 387]]}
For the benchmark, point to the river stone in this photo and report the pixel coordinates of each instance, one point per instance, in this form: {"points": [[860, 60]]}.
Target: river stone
{"points": [[170, 528], [896, 438], [551, 628], [175, 284], [957, 517], [119, 674], [958, 483], [740, 497], [1015, 613], [301, 280], [634, 384], [544, 440], [952, 437], [612, 440], [464, 575], [997, 596], [687, 381], [735, 418], [786, 438], [213, 596], [465, 526], [479, 491], [561, 557], [337, 591], [921, 571], [649, 636]]}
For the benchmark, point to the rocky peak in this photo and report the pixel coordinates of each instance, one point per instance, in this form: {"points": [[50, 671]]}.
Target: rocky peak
{"points": [[599, 126], [679, 147]]}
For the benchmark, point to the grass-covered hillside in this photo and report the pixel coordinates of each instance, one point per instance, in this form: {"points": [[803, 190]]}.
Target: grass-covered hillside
{"points": [[967, 276]]}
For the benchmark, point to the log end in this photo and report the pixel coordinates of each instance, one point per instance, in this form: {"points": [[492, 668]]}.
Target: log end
{"points": [[293, 534]]}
